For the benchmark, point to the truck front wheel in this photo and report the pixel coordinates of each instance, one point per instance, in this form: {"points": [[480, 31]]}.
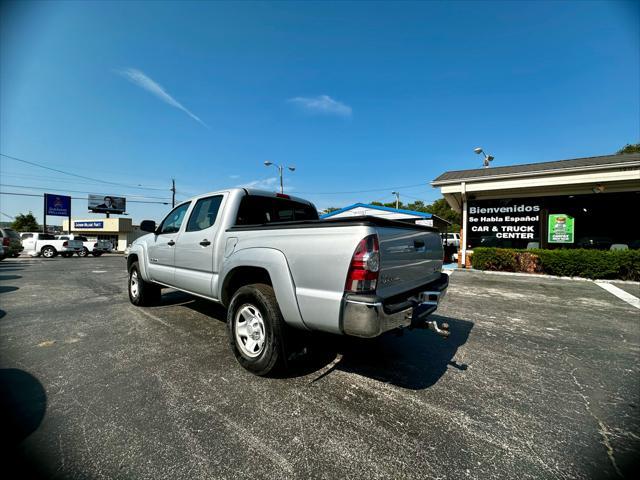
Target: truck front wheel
{"points": [[49, 251], [141, 292], [256, 329]]}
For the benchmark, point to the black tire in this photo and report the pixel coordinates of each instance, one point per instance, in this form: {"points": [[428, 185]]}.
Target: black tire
{"points": [[96, 254], [271, 356], [84, 252], [48, 251], [147, 294], [66, 255], [15, 255]]}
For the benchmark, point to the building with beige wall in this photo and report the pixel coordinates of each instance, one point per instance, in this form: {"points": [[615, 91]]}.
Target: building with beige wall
{"points": [[119, 231]]}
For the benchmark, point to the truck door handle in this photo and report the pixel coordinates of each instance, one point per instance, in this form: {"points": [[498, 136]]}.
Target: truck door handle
{"points": [[171, 243], [205, 243]]}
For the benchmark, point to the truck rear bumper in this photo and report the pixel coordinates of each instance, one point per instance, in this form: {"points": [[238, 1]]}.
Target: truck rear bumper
{"points": [[369, 316]]}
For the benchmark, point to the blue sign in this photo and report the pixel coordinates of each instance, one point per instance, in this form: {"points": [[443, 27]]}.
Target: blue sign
{"points": [[91, 225], [57, 205]]}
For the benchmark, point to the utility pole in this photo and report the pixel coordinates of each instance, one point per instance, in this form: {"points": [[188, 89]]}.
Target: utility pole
{"points": [[397, 194], [173, 192]]}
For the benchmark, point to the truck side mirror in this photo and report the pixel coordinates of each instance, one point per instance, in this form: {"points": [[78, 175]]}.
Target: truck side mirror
{"points": [[148, 226]]}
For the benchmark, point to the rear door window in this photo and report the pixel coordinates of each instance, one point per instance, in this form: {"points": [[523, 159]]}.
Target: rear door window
{"points": [[258, 210]]}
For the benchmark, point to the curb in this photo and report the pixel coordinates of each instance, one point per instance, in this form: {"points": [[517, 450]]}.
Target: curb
{"points": [[545, 276]]}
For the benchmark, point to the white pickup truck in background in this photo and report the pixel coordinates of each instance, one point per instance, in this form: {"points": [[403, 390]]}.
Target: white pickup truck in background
{"points": [[95, 248], [47, 245]]}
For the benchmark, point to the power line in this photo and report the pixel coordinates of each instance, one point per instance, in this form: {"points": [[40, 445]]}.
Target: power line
{"points": [[78, 176], [8, 216], [365, 191], [76, 198], [29, 187]]}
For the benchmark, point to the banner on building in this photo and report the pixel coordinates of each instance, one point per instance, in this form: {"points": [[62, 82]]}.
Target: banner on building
{"points": [[503, 223], [561, 228], [107, 204], [57, 205], [93, 225]]}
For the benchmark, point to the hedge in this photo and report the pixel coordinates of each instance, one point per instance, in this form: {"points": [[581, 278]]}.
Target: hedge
{"points": [[619, 264]]}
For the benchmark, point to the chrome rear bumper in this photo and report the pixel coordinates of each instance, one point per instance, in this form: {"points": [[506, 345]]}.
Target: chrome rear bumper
{"points": [[368, 317]]}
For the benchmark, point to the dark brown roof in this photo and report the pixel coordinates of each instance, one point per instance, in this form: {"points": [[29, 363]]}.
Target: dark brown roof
{"points": [[533, 168]]}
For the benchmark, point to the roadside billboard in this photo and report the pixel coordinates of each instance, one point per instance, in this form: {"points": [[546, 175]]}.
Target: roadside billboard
{"points": [[57, 205], [107, 204]]}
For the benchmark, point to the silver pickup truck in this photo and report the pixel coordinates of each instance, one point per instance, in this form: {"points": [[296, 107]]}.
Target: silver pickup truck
{"points": [[276, 266]]}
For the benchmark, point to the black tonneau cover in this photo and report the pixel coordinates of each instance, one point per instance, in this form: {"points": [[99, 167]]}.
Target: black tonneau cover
{"points": [[333, 222]]}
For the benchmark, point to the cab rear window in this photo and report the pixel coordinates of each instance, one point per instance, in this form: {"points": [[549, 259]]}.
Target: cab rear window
{"points": [[258, 210]]}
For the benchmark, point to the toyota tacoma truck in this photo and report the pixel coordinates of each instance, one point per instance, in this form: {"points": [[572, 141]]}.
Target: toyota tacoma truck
{"points": [[277, 267]]}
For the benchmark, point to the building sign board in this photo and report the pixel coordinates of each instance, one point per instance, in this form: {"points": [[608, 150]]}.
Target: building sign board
{"points": [[88, 225], [57, 205], [107, 204], [561, 228], [490, 223], [428, 222]]}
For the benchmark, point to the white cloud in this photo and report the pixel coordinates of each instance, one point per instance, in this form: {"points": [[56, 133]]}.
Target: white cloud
{"points": [[265, 184], [322, 104], [139, 78]]}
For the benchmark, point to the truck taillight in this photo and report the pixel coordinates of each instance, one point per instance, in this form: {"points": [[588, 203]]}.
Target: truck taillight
{"points": [[5, 241], [365, 267], [65, 244]]}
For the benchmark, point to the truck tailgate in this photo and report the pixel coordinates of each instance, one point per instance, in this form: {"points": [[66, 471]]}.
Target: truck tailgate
{"points": [[409, 257]]}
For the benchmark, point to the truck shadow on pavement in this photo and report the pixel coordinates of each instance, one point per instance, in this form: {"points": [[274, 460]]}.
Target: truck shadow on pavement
{"points": [[411, 359], [414, 359]]}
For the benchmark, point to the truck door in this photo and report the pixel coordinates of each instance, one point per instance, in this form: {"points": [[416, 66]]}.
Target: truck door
{"points": [[196, 266], [161, 248]]}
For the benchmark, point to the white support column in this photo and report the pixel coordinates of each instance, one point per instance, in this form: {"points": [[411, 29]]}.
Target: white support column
{"points": [[463, 237]]}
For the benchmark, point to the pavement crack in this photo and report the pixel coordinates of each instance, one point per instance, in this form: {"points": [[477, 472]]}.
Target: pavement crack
{"points": [[602, 428]]}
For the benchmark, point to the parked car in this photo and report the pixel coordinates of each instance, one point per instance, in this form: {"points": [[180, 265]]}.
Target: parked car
{"points": [[47, 245], [451, 239], [11, 240], [96, 248], [277, 267]]}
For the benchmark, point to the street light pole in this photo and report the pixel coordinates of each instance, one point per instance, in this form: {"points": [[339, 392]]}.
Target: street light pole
{"points": [[397, 194], [280, 172]]}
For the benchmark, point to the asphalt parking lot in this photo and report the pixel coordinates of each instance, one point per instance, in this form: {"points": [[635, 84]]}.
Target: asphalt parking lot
{"points": [[540, 379]]}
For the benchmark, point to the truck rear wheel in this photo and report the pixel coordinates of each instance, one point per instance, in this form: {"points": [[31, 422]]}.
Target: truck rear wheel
{"points": [[84, 252], [141, 292], [256, 329]]}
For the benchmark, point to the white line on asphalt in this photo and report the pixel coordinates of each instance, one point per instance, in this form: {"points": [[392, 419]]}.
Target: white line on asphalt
{"points": [[98, 271], [621, 294]]}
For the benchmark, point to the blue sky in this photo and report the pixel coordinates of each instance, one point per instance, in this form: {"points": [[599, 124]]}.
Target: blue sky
{"points": [[358, 96]]}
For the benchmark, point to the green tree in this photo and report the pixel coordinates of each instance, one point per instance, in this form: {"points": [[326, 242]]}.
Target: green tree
{"points": [[630, 148], [440, 208], [25, 223], [329, 210]]}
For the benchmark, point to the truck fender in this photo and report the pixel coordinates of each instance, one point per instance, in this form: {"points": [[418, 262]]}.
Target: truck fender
{"points": [[137, 253], [275, 263]]}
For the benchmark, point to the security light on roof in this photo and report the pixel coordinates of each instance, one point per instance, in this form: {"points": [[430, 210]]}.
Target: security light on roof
{"points": [[268, 163], [478, 150]]}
